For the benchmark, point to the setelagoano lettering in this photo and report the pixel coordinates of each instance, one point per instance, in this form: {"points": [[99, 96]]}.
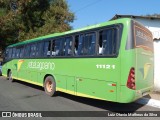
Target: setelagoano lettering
{"points": [[41, 65]]}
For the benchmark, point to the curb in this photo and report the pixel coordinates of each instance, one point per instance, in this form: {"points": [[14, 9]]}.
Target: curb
{"points": [[149, 102]]}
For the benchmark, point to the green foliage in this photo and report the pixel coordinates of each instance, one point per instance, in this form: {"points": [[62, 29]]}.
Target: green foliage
{"points": [[32, 18]]}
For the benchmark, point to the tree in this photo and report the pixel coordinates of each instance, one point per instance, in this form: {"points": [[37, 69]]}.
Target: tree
{"points": [[8, 25], [26, 19], [57, 18]]}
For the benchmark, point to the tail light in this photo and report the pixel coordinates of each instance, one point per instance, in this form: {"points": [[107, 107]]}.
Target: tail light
{"points": [[131, 79]]}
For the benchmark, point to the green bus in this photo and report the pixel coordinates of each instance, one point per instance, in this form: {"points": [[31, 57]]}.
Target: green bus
{"points": [[110, 61]]}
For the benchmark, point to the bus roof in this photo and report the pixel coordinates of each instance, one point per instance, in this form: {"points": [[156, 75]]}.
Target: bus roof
{"points": [[123, 20]]}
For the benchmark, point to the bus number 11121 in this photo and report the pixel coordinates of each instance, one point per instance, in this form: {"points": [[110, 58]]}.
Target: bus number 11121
{"points": [[105, 66]]}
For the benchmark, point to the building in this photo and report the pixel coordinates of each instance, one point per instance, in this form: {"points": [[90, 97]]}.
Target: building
{"points": [[153, 24]]}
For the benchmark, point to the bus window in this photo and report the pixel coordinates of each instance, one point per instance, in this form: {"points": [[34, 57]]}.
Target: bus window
{"points": [[63, 46], [17, 52], [10, 53], [27, 50], [107, 42], [47, 48], [80, 45], [33, 50], [39, 49], [68, 46], [77, 37], [21, 52], [14, 53], [86, 44], [6, 53], [58, 47], [89, 44]]}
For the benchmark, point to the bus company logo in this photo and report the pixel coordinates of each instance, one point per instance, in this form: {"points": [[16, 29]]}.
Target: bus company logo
{"points": [[41, 65], [146, 70], [19, 64]]}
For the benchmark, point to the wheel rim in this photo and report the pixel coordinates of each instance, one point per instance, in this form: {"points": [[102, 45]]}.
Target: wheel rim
{"points": [[49, 86]]}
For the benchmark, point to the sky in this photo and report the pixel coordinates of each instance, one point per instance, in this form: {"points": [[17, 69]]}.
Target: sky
{"points": [[90, 12]]}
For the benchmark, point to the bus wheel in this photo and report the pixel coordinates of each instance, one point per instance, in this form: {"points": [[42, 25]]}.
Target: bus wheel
{"points": [[50, 86], [10, 78]]}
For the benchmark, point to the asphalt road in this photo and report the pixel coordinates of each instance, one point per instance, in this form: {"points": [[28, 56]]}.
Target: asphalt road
{"points": [[20, 96]]}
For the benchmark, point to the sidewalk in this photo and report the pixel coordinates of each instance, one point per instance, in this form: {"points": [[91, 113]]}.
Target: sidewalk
{"points": [[152, 99], [153, 95]]}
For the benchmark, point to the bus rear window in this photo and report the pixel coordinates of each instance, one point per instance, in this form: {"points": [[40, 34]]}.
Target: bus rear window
{"points": [[142, 37]]}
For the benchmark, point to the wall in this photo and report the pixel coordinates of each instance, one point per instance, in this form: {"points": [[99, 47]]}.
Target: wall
{"points": [[157, 65]]}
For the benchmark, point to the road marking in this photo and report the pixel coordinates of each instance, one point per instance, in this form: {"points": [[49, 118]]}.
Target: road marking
{"points": [[149, 102]]}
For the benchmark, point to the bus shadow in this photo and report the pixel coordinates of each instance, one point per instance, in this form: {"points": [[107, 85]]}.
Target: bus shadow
{"points": [[29, 85], [104, 105]]}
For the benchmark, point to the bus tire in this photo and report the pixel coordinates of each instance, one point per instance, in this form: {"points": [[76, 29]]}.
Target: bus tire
{"points": [[50, 86], [10, 78]]}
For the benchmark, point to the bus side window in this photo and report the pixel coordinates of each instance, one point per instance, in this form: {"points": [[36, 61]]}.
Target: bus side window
{"points": [[89, 45], [107, 42], [39, 49], [33, 50], [27, 50], [6, 53], [21, 55], [13, 52], [68, 46], [53, 48], [10, 53], [80, 45], [17, 52], [76, 44], [57, 44], [114, 43], [63, 47], [58, 47], [47, 48], [86, 44]]}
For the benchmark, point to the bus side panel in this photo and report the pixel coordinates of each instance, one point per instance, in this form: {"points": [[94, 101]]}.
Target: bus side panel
{"points": [[61, 82], [40, 77], [23, 71], [68, 74], [5, 69], [65, 84], [126, 95], [96, 89], [71, 86], [127, 61]]}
